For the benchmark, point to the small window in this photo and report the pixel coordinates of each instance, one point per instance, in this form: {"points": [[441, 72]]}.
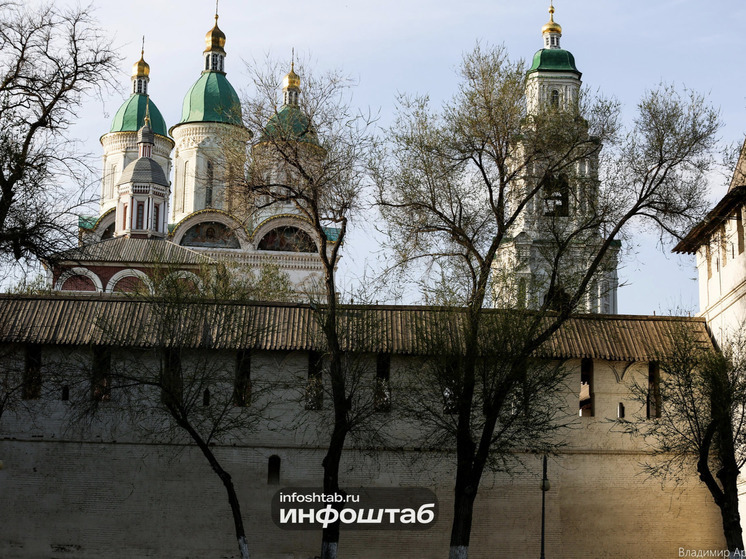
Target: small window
{"points": [[101, 374], [124, 217], [586, 388], [273, 470], [65, 395], [314, 386], [653, 404], [739, 230], [206, 397], [31, 389], [382, 394], [242, 385], [207, 62], [157, 218], [554, 99], [620, 411]]}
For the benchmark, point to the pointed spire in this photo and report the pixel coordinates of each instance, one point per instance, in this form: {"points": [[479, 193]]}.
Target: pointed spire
{"points": [[145, 136], [147, 112]]}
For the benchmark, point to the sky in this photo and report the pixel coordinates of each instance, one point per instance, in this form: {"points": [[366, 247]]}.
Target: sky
{"points": [[412, 46]]}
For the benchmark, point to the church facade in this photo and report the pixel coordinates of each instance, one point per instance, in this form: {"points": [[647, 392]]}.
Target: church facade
{"points": [[204, 215]]}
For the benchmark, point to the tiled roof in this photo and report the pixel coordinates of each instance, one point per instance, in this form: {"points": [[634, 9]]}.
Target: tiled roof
{"points": [[399, 330], [134, 251], [143, 170]]}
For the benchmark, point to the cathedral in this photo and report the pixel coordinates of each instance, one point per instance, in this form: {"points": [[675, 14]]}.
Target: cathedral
{"points": [[175, 197], [204, 215]]}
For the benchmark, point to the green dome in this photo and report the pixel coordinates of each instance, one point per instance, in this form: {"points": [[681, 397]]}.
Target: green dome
{"points": [[290, 123], [554, 60], [212, 99], [131, 116]]}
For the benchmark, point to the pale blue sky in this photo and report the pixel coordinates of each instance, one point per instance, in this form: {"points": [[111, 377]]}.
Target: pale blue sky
{"points": [[413, 46]]}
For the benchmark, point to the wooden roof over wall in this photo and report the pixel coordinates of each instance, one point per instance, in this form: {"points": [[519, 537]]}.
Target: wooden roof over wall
{"points": [[123, 321]]}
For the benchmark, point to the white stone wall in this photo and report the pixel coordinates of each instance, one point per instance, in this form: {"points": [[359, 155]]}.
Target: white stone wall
{"points": [[106, 492], [722, 281]]}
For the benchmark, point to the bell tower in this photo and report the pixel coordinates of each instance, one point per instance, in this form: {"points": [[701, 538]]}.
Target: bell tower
{"points": [[556, 209]]}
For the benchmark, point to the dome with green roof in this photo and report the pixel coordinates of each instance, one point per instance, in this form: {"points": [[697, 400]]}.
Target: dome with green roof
{"points": [[131, 116], [554, 60], [290, 123], [212, 99]]}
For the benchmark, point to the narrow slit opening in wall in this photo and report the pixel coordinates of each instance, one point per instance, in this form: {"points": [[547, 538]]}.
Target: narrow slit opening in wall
{"points": [[620, 411], [206, 397], [65, 396], [31, 388], [101, 374], [242, 384], [382, 395], [273, 470], [653, 404], [585, 408], [314, 385]]}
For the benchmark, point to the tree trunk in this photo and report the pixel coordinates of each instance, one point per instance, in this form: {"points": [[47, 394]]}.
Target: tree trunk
{"points": [[330, 534], [225, 477], [728, 476], [463, 513]]}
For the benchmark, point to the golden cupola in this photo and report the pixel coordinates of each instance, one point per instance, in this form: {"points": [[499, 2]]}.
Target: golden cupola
{"points": [[141, 74], [291, 80], [551, 26], [552, 31], [141, 69], [215, 39]]}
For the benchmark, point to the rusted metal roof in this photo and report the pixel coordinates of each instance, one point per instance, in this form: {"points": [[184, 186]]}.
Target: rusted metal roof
{"points": [[125, 250], [123, 321]]}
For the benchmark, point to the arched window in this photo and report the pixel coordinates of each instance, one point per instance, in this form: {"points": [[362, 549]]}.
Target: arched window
{"points": [[210, 234], [287, 239], [208, 185], [554, 99], [184, 185], [273, 470], [140, 215], [556, 196], [108, 232]]}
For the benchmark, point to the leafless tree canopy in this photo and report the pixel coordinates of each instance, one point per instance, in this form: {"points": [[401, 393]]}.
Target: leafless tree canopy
{"points": [[458, 183], [694, 414], [50, 58]]}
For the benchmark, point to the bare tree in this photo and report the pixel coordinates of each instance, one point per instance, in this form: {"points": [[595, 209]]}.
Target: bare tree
{"points": [[50, 58], [694, 413], [456, 187], [180, 387], [310, 157]]}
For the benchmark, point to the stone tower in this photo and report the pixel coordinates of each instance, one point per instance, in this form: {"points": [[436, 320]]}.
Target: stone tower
{"points": [[524, 260]]}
